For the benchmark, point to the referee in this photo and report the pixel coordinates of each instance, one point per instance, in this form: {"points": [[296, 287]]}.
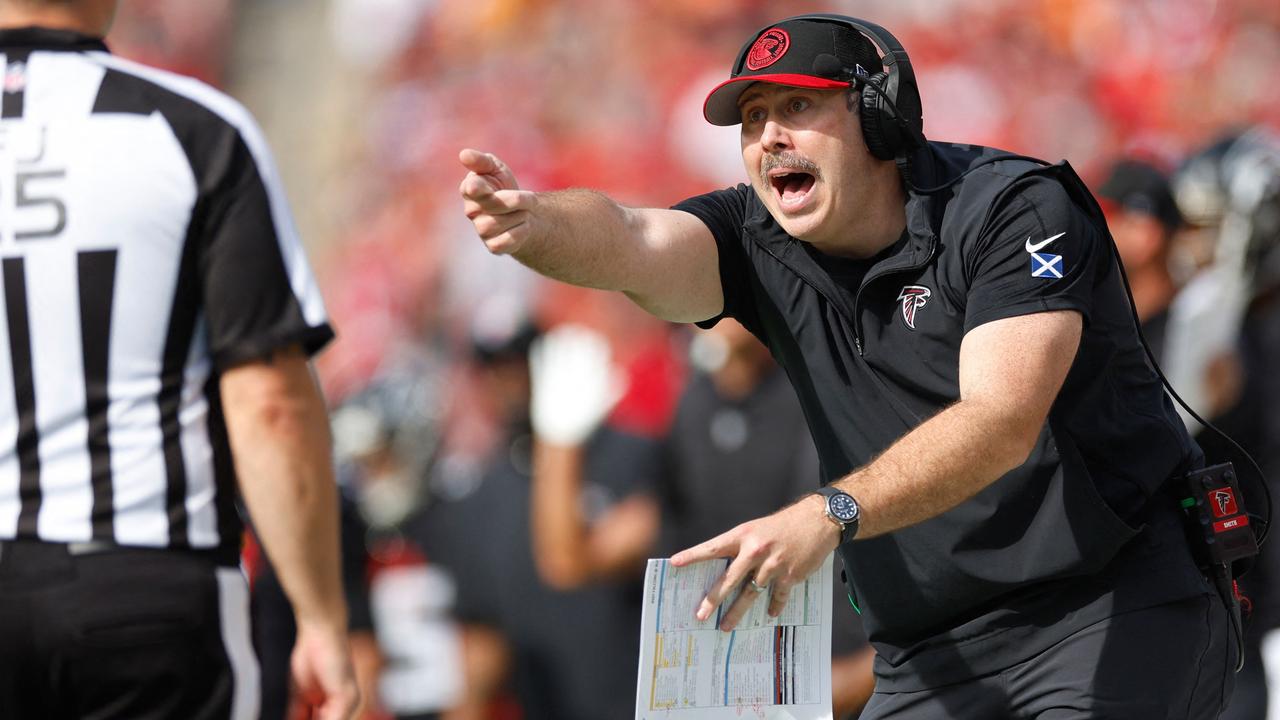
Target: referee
{"points": [[157, 318]]}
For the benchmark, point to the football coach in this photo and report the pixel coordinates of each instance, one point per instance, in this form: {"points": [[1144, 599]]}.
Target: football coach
{"points": [[995, 446]]}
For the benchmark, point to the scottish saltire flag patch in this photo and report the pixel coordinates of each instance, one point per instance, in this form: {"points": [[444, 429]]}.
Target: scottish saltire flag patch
{"points": [[1046, 266]]}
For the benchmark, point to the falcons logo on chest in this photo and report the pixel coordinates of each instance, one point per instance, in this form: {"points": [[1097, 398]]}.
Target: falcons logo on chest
{"points": [[913, 297]]}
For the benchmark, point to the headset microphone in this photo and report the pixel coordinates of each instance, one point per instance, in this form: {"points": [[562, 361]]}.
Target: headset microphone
{"points": [[828, 65]]}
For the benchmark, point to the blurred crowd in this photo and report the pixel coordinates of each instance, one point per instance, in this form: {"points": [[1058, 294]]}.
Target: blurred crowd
{"points": [[492, 578]]}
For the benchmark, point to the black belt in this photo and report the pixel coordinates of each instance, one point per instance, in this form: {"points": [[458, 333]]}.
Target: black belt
{"points": [[217, 556], [91, 547]]}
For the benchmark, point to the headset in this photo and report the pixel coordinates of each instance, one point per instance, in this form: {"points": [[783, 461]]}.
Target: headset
{"points": [[889, 101]]}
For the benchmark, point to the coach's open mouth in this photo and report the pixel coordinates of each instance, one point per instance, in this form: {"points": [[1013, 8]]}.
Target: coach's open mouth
{"points": [[792, 187]]}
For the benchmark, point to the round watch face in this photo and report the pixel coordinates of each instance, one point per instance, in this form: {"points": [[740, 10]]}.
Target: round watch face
{"points": [[843, 508]]}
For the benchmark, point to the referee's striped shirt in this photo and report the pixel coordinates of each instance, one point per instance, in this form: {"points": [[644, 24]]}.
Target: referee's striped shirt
{"points": [[145, 244]]}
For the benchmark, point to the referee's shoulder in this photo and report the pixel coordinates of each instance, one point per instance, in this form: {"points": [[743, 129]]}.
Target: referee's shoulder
{"points": [[134, 86]]}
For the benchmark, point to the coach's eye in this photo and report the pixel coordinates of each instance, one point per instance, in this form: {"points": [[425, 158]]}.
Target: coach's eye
{"points": [[797, 105], [755, 115]]}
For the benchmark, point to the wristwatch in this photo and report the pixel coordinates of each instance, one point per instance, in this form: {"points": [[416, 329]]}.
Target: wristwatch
{"points": [[842, 510]]}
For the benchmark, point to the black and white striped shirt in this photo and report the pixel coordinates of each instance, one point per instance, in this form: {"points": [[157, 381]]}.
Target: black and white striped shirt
{"points": [[145, 244]]}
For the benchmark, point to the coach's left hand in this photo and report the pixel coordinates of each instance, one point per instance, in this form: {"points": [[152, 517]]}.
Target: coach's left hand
{"points": [[777, 552]]}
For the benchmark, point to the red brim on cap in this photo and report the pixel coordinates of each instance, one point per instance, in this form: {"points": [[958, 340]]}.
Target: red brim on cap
{"points": [[721, 105]]}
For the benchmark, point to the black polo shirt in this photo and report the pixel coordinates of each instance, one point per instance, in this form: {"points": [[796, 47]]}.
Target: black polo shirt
{"points": [[1076, 533]]}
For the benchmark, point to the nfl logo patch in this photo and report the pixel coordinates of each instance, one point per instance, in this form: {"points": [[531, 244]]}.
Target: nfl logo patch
{"points": [[1046, 266], [15, 78]]}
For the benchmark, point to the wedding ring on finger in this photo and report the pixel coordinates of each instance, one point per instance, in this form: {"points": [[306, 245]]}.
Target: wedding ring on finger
{"points": [[755, 587]]}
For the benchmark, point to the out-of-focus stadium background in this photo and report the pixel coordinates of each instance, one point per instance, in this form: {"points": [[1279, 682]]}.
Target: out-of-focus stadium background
{"points": [[367, 102]]}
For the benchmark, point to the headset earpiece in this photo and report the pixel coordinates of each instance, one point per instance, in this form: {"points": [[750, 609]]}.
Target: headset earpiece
{"points": [[892, 119], [879, 130]]}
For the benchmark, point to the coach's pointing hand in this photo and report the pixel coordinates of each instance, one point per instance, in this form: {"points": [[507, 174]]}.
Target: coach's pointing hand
{"points": [[494, 202], [774, 552]]}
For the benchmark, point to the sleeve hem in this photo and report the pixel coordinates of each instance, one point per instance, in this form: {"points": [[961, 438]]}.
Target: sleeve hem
{"points": [[710, 322], [707, 218], [312, 339], [1029, 307]]}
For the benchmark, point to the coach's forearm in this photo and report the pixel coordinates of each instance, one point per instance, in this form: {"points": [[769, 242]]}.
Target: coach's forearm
{"points": [[1011, 371], [584, 238], [940, 464], [663, 260], [279, 432]]}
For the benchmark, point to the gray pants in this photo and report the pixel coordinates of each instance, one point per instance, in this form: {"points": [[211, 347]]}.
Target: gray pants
{"points": [[1171, 661]]}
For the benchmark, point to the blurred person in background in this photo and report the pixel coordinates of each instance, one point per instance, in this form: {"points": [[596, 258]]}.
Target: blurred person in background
{"points": [[387, 438], [1224, 329], [738, 448], [160, 317], [1144, 220], [582, 533], [1230, 193], [275, 628], [544, 649], [954, 324], [1146, 223]]}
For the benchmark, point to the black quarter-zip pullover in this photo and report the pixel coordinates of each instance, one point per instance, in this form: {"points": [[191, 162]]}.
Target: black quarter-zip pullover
{"points": [[1075, 534]]}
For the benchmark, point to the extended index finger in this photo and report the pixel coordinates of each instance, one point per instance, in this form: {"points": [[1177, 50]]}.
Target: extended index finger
{"points": [[476, 160], [479, 162], [489, 166], [720, 546]]}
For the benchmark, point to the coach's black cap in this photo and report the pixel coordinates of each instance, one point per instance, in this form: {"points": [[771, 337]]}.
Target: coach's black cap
{"points": [[788, 53], [1140, 187]]}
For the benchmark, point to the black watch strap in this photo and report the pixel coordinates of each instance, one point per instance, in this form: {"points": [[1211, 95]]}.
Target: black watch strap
{"points": [[848, 527]]}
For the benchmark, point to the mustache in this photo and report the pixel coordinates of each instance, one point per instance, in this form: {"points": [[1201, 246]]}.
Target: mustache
{"points": [[794, 162]]}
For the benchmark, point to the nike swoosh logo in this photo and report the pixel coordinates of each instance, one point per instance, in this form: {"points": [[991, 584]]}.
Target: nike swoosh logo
{"points": [[1036, 246]]}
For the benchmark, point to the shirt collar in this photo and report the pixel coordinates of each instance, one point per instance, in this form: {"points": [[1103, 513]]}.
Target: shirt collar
{"points": [[42, 38]]}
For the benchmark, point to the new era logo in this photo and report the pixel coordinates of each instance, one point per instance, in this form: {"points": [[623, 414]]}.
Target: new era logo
{"points": [[1046, 266]]}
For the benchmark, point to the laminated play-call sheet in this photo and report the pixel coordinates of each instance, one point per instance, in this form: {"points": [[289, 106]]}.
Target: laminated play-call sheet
{"points": [[769, 668]]}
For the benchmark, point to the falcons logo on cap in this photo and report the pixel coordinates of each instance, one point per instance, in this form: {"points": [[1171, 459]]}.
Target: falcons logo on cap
{"points": [[768, 49], [913, 298]]}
